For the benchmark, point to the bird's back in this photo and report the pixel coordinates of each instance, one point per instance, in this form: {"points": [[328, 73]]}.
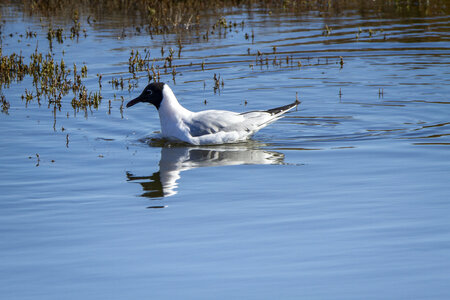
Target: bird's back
{"points": [[219, 126]]}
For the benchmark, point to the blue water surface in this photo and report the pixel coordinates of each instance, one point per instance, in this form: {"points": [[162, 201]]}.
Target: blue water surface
{"points": [[345, 198]]}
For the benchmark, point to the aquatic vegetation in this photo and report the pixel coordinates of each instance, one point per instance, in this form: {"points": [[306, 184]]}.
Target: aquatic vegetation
{"points": [[12, 68], [99, 81], [52, 80], [75, 29], [55, 34], [30, 34], [137, 62], [217, 84], [156, 17], [5, 104], [327, 30], [84, 101]]}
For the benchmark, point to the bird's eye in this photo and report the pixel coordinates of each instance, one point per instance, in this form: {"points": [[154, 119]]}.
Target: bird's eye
{"points": [[149, 92]]}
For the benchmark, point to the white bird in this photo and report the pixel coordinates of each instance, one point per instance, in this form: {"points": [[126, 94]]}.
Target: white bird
{"points": [[205, 127]]}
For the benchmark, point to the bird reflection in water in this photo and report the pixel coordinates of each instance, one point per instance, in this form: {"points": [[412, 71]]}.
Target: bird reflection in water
{"points": [[176, 159]]}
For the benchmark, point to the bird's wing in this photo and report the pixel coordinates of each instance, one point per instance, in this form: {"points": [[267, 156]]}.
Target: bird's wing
{"points": [[214, 121]]}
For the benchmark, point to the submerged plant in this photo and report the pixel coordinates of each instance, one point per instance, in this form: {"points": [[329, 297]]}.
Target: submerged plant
{"points": [[5, 104]]}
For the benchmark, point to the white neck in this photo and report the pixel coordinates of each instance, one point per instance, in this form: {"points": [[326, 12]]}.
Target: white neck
{"points": [[170, 104], [171, 112]]}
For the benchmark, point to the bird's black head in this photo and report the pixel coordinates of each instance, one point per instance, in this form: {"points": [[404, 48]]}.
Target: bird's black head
{"points": [[151, 94]]}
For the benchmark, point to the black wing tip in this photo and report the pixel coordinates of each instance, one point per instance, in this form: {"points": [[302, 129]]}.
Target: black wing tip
{"points": [[284, 108], [277, 110]]}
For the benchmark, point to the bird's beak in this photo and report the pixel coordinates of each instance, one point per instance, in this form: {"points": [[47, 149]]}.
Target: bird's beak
{"points": [[134, 101]]}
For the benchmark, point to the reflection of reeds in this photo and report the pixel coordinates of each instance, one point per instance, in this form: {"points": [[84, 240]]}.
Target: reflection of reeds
{"points": [[162, 16]]}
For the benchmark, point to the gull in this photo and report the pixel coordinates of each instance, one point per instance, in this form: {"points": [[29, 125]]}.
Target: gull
{"points": [[208, 127]]}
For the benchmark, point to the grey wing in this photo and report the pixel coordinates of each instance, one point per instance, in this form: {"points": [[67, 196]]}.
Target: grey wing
{"points": [[213, 121], [199, 128]]}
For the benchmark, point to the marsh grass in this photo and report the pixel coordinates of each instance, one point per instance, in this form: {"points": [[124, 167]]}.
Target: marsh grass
{"points": [[53, 80]]}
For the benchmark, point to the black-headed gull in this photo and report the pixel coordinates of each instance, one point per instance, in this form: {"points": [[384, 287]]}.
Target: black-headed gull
{"points": [[205, 127]]}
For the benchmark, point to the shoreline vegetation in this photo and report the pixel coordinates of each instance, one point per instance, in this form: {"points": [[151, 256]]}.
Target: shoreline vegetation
{"points": [[54, 80]]}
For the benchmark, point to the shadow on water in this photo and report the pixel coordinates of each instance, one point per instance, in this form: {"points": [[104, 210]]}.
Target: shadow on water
{"points": [[178, 158]]}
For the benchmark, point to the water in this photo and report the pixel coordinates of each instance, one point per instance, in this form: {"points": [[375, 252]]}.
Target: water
{"points": [[346, 198]]}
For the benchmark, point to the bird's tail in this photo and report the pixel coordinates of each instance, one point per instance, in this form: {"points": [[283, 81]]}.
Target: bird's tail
{"points": [[278, 111], [261, 118]]}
